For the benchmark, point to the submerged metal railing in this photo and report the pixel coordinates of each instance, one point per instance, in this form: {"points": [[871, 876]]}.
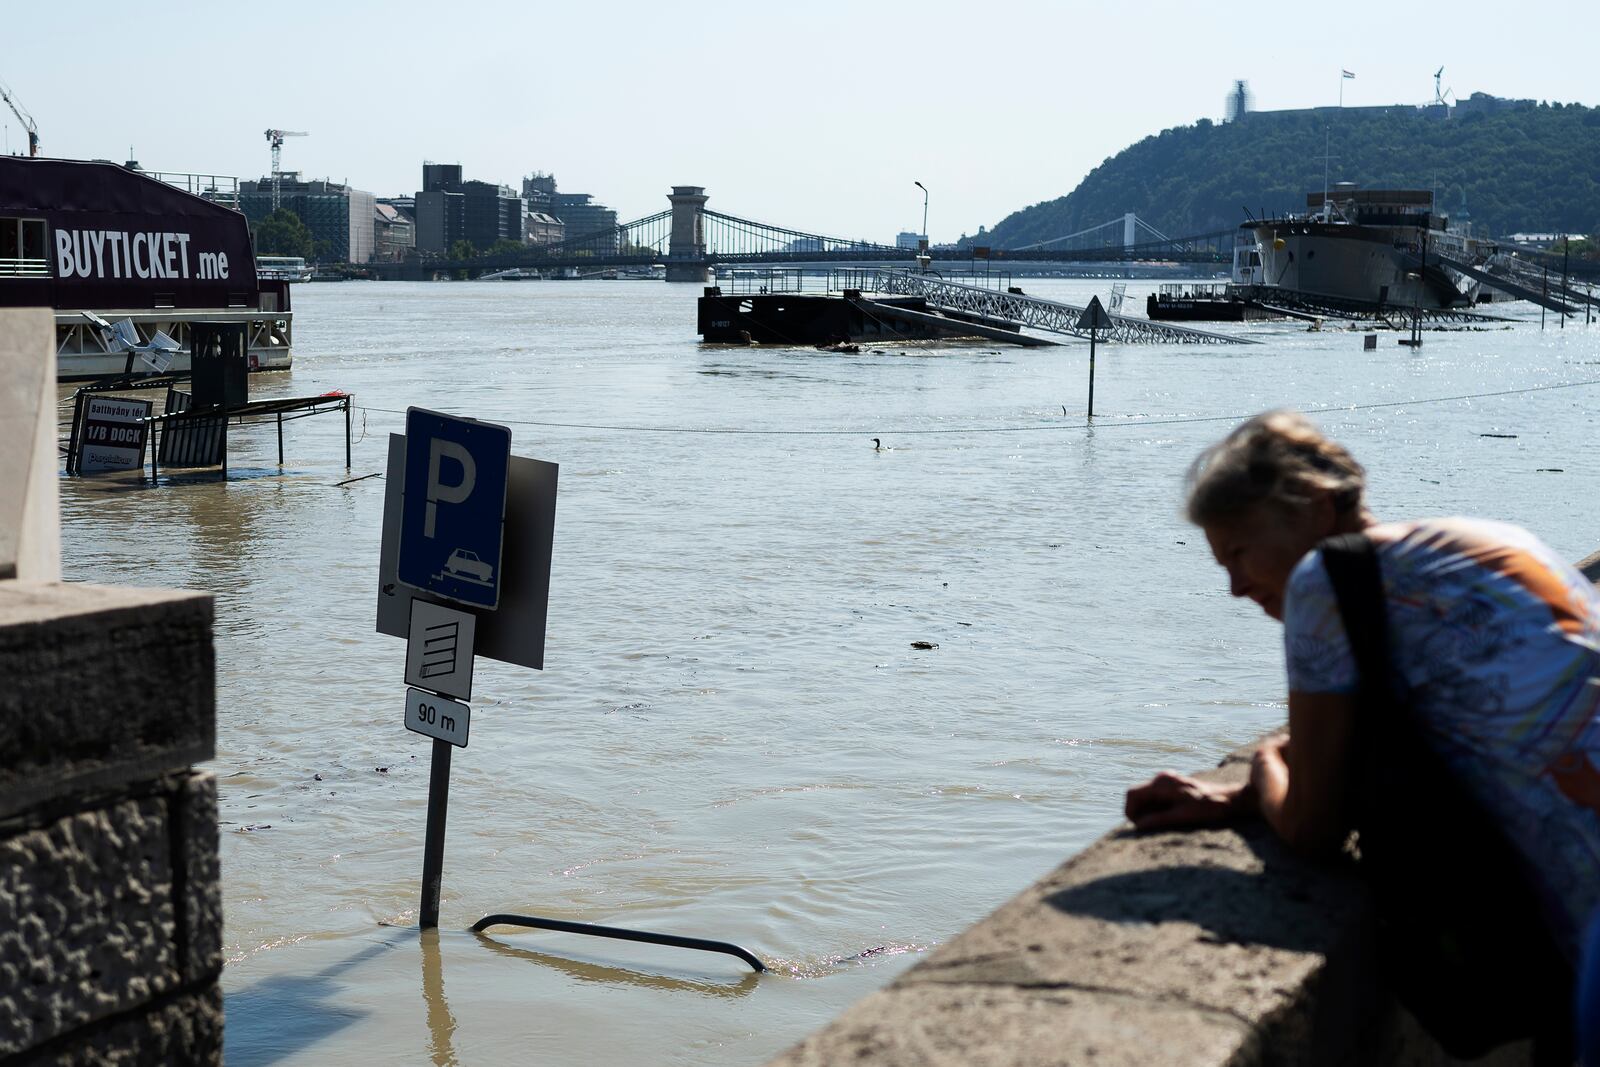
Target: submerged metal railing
{"points": [[619, 933], [1051, 315]]}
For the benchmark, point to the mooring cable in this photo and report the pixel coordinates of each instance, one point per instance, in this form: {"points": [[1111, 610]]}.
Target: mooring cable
{"points": [[1104, 422]]}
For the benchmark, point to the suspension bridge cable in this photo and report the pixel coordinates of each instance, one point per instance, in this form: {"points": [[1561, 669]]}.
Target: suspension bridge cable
{"points": [[1135, 423]]}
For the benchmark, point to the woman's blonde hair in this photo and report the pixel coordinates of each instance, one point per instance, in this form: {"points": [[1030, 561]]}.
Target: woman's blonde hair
{"points": [[1278, 458]]}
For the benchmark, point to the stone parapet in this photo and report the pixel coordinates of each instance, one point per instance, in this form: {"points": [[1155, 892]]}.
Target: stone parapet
{"points": [[110, 896], [104, 686]]}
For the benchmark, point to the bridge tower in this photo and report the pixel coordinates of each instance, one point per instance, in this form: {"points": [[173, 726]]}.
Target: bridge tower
{"points": [[686, 252], [1130, 236]]}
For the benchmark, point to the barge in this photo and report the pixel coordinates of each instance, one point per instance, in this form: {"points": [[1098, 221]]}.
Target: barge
{"points": [[1206, 302], [105, 245], [818, 319]]}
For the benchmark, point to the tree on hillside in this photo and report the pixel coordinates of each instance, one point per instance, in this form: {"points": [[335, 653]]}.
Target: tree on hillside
{"points": [[282, 233], [1514, 168]]}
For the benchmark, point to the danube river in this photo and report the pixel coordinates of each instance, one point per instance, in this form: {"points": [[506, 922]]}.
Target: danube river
{"points": [[733, 737]]}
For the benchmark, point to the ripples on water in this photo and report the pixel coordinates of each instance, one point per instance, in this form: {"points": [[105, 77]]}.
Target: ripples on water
{"points": [[733, 737]]}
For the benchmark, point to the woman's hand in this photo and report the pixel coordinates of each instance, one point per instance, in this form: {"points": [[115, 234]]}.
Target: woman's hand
{"points": [[1175, 801]]}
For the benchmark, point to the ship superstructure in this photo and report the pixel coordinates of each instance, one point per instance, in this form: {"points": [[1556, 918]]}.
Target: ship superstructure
{"points": [[1369, 248]]}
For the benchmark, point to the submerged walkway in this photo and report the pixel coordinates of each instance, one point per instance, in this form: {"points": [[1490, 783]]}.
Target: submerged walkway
{"points": [[1036, 312]]}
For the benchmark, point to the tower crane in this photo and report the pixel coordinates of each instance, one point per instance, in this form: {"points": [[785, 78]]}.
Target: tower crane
{"points": [[22, 117], [275, 139]]}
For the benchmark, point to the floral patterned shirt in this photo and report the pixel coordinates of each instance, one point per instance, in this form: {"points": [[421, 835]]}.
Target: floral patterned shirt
{"points": [[1495, 642]]}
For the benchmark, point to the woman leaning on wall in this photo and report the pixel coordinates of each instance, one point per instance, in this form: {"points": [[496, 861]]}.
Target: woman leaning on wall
{"points": [[1444, 702]]}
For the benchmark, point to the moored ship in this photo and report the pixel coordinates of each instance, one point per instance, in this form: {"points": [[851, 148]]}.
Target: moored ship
{"points": [[105, 245], [1368, 248]]}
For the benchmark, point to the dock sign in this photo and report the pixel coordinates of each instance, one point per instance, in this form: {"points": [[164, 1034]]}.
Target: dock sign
{"points": [[111, 436], [454, 507]]}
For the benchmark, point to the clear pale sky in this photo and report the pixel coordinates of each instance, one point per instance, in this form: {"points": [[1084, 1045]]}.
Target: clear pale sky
{"points": [[818, 116]]}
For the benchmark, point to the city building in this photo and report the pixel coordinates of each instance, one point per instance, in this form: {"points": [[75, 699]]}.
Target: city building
{"points": [[341, 219], [545, 229], [907, 239], [394, 228], [539, 190], [451, 209], [584, 218]]}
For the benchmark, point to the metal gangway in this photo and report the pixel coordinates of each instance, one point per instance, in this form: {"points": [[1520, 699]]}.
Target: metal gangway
{"points": [[1505, 284], [1051, 315]]}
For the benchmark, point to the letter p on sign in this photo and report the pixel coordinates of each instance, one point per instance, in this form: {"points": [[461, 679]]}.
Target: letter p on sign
{"points": [[456, 493]]}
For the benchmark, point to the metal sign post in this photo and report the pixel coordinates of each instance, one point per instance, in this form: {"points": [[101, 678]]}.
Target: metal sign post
{"points": [[1093, 319], [455, 499], [449, 540]]}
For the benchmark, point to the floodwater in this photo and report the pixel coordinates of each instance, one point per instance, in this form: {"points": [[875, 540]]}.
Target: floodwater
{"points": [[733, 737]]}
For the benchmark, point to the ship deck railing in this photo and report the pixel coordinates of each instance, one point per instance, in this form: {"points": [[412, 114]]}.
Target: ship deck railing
{"points": [[1194, 290], [24, 268]]}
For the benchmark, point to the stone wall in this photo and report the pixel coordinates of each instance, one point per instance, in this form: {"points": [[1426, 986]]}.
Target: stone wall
{"points": [[110, 899]]}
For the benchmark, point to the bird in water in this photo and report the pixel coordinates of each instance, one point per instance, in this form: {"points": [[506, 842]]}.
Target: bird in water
{"points": [[877, 445]]}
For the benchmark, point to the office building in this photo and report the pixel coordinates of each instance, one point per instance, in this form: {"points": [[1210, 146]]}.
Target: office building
{"points": [[340, 218], [584, 218], [450, 209]]}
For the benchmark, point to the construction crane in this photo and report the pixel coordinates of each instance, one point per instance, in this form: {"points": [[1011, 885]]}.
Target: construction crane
{"points": [[22, 117], [275, 139]]}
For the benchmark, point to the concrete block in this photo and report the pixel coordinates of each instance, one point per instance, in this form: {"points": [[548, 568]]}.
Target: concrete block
{"points": [[997, 1026], [100, 687], [185, 1029], [30, 509], [92, 922]]}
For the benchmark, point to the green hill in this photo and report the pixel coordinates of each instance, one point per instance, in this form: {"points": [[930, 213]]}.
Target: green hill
{"points": [[1516, 165]]}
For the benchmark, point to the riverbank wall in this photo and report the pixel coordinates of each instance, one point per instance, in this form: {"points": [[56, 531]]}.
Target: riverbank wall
{"points": [[110, 896], [1211, 948]]}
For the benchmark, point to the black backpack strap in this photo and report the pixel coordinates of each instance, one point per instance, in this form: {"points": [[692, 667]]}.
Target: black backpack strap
{"points": [[1478, 968], [1351, 561]]}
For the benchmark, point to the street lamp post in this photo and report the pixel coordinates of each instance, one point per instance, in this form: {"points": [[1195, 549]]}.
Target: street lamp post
{"points": [[924, 257], [924, 189]]}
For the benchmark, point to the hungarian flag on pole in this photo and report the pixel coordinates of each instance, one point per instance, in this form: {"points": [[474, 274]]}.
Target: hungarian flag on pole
{"points": [[1347, 74]]}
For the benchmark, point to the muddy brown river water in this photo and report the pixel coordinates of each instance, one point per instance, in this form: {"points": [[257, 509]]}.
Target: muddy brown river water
{"points": [[733, 736]]}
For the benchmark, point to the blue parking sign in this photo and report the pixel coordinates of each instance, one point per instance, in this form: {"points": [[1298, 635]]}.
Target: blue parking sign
{"points": [[454, 507]]}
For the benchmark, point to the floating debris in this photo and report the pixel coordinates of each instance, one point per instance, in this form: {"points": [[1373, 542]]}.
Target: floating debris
{"points": [[1506, 435], [1550, 470], [925, 645]]}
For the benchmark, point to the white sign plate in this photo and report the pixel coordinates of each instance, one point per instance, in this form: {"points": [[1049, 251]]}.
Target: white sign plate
{"points": [[439, 649], [112, 435], [437, 717]]}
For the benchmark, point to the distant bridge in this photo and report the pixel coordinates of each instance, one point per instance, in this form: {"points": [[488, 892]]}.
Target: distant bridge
{"points": [[689, 240]]}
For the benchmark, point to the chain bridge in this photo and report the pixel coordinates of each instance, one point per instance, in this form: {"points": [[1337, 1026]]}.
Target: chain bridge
{"points": [[689, 240]]}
